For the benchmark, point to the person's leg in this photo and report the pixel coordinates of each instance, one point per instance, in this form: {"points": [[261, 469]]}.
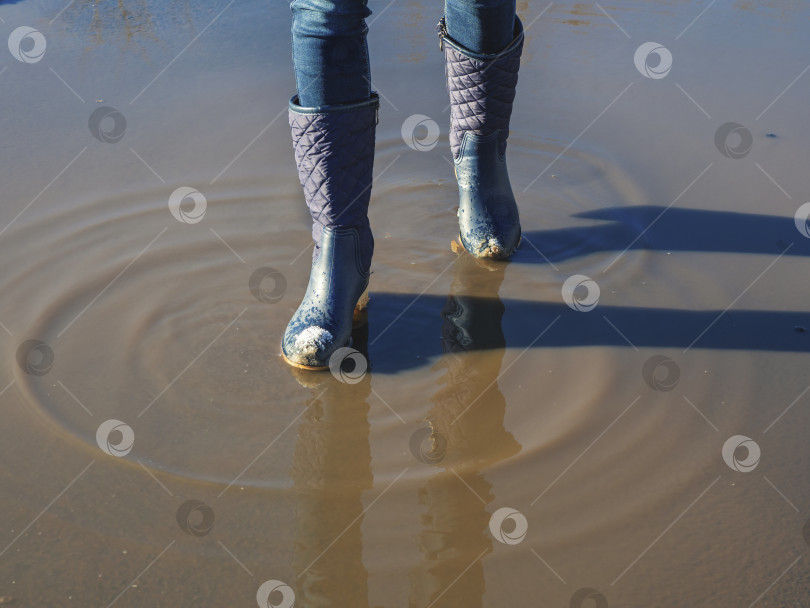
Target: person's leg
{"points": [[333, 121], [482, 41], [330, 53], [482, 26]]}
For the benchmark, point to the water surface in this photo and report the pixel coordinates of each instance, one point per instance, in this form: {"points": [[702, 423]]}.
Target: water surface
{"points": [[603, 427]]}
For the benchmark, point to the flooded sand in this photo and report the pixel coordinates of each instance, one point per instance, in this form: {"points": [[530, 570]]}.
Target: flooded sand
{"points": [[617, 417]]}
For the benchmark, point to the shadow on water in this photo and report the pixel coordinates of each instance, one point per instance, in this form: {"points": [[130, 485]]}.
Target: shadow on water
{"points": [[756, 330], [539, 324], [655, 228]]}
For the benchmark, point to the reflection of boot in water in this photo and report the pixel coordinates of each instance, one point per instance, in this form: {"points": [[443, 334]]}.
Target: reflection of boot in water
{"points": [[453, 539], [331, 469], [468, 436], [473, 322], [469, 409]]}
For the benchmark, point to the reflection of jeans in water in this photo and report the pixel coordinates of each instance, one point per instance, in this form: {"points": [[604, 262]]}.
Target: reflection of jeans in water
{"points": [[330, 53]]}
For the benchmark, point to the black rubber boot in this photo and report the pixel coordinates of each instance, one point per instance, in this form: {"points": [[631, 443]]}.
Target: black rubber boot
{"points": [[334, 152], [482, 90]]}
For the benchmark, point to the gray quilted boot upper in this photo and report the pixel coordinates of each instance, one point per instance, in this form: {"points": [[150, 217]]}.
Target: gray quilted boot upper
{"points": [[334, 152], [481, 88]]}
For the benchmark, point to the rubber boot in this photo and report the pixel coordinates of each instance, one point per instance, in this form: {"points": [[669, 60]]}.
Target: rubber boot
{"points": [[482, 90], [334, 152]]}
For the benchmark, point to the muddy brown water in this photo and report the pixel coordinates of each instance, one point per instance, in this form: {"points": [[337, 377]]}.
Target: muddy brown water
{"points": [[504, 448]]}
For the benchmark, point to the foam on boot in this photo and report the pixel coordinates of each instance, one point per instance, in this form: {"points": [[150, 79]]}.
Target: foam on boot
{"points": [[313, 340], [493, 249]]}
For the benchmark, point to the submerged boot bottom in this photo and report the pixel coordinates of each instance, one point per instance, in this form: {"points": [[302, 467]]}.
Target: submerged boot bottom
{"points": [[323, 322], [489, 223]]}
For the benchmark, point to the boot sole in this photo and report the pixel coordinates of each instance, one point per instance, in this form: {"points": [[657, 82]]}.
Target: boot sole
{"points": [[306, 367], [479, 257]]}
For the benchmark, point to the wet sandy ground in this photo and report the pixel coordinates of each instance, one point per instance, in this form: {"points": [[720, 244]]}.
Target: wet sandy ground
{"points": [[618, 417]]}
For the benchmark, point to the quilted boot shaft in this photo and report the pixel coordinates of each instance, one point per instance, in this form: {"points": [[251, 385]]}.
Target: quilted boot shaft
{"points": [[481, 88], [334, 152]]}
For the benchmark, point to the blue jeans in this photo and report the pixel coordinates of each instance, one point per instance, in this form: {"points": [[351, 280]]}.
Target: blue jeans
{"points": [[330, 54]]}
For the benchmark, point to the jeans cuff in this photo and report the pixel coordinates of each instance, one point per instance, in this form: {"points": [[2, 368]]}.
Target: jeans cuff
{"points": [[374, 102]]}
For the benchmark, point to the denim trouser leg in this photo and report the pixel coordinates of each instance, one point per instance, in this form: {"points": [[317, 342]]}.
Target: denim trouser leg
{"points": [[482, 26], [330, 54]]}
